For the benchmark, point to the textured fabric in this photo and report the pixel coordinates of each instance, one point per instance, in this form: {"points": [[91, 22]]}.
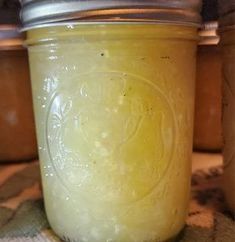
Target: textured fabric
{"points": [[22, 215]]}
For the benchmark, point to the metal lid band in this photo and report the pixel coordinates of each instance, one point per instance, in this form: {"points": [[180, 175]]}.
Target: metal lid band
{"points": [[40, 12]]}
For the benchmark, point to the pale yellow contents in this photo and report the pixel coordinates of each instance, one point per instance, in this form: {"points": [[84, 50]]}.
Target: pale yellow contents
{"points": [[114, 113]]}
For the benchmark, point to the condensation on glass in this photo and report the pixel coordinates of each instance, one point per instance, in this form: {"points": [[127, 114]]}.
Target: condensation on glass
{"points": [[17, 136], [113, 97], [227, 33], [208, 102]]}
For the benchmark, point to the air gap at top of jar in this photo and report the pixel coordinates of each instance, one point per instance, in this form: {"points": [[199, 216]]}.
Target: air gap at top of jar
{"points": [[113, 86], [227, 33]]}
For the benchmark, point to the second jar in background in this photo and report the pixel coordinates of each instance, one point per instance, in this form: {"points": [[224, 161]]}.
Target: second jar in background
{"points": [[17, 135], [208, 103]]}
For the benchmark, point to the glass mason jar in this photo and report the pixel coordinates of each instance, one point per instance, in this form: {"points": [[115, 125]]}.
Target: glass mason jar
{"points": [[208, 104], [227, 32], [113, 89], [17, 136]]}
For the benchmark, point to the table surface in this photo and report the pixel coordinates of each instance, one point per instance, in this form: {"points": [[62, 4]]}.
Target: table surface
{"points": [[22, 216]]}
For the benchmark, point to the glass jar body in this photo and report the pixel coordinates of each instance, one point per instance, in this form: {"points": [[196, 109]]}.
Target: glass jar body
{"points": [[114, 114]]}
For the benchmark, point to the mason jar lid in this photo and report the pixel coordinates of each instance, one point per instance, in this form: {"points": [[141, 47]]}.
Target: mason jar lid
{"points": [[37, 13], [208, 33], [10, 37], [227, 13]]}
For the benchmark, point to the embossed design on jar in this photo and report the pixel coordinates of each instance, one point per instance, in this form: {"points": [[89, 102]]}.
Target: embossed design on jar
{"points": [[111, 135]]}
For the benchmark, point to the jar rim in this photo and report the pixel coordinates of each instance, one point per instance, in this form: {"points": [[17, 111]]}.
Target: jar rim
{"points": [[208, 33], [41, 12]]}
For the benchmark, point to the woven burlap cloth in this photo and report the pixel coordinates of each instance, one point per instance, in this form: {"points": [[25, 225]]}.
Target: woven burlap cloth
{"points": [[22, 215]]}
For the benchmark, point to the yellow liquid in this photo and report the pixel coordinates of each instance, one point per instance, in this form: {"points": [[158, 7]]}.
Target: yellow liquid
{"points": [[114, 114]]}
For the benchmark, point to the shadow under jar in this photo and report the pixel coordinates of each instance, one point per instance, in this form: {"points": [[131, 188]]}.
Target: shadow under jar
{"points": [[17, 135], [227, 33], [208, 101], [113, 89]]}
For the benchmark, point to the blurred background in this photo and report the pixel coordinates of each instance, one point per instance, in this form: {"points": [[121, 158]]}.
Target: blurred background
{"points": [[17, 136]]}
